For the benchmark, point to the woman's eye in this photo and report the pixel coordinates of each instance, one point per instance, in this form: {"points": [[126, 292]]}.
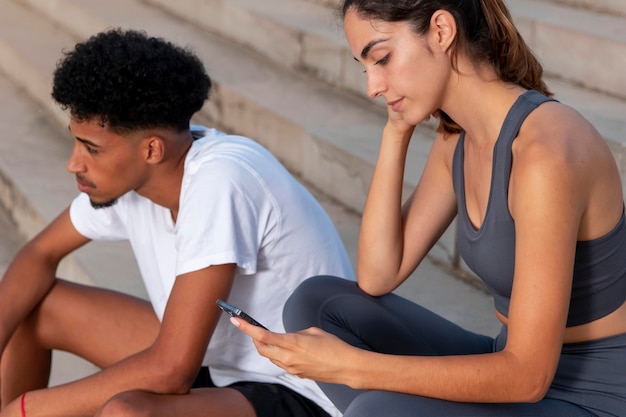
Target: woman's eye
{"points": [[383, 60]]}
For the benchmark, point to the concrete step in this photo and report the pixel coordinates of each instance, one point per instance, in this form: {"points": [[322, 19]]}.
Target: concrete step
{"points": [[611, 7], [333, 4], [579, 45], [307, 37]]}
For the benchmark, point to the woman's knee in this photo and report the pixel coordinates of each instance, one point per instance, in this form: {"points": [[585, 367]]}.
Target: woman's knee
{"points": [[370, 404], [387, 403], [303, 306]]}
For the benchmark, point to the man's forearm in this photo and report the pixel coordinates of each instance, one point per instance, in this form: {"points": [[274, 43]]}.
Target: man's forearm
{"points": [[23, 286], [86, 396]]}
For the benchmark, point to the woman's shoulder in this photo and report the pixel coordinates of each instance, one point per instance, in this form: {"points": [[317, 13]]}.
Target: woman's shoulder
{"points": [[557, 130], [557, 145], [559, 151]]}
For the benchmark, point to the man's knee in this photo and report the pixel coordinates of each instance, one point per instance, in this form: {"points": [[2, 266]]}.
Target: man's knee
{"points": [[126, 404]]}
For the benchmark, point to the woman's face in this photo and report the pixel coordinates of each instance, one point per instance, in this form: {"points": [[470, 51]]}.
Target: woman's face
{"points": [[410, 71]]}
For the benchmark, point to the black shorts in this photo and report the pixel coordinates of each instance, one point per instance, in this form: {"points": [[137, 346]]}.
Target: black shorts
{"points": [[268, 400]]}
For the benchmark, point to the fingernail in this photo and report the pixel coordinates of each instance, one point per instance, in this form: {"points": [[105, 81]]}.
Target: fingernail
{"points": [[234, 321]]}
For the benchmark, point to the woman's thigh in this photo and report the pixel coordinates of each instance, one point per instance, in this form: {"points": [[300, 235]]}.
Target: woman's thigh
{"points": [[386, 324]]}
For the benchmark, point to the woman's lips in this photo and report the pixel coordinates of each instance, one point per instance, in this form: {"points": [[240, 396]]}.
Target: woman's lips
{"points": [[395, 105]]}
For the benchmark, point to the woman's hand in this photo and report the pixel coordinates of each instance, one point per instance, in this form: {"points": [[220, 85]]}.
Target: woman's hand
{"points": [[397, 126], [311, 353]]}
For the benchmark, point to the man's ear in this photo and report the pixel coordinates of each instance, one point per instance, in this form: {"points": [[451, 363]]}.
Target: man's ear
{"points": [[154, 149], [443, 29]]}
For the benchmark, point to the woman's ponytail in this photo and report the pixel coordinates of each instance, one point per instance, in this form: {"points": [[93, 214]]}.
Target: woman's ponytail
{"points": [[513, 59]]}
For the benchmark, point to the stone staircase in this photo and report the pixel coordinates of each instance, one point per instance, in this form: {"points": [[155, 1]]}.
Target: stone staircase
{"points": [[284, 75]]}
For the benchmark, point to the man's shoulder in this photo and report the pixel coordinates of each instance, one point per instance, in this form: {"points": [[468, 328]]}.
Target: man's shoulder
{"points": [[214, 143], [225, 153]]}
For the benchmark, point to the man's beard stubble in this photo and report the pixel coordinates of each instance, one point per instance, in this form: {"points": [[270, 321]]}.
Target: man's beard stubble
{"points": [[102, 205]]}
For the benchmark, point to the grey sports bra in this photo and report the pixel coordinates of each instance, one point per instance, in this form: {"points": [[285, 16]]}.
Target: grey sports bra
{"points": [[599, 281]]}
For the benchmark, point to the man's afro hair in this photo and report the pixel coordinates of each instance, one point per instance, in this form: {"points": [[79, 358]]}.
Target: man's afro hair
{"points": [[130, 81]]}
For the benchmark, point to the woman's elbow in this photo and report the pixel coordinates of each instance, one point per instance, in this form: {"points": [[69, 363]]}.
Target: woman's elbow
{"points": [[533, 387], [537, 391], [527, 379], [373, 289], [375, 284]]}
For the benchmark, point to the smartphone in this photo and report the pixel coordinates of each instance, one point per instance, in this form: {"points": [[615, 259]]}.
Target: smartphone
{"points": [[237, 312]]}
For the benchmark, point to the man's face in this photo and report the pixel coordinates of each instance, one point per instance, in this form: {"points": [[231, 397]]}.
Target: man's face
{"points": [[107, 165]]}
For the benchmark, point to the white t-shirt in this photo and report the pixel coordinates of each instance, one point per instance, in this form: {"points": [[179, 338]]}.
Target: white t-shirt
{"points": [[238, 204]]}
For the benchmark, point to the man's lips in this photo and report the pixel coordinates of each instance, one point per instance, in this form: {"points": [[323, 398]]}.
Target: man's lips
{"points": [[84, 186]]}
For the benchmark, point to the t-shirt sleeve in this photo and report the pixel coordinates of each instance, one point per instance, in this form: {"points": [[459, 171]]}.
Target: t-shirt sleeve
{"points": [[222, 218], [97, 224]]}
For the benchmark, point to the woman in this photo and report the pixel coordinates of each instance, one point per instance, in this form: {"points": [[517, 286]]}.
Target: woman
{"points": [[540, 217]]}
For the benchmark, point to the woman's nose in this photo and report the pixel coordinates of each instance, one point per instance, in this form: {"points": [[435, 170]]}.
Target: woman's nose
{"points": [[375, 85]]}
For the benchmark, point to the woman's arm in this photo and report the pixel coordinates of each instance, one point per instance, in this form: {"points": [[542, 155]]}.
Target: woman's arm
{"points": [[394, 238]]}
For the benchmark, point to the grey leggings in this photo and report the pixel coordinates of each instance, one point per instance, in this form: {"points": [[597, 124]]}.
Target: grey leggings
{"points": [[391, 324]]}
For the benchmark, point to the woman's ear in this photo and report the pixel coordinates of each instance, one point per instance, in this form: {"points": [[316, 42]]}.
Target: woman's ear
{"points": [[443, 29]]}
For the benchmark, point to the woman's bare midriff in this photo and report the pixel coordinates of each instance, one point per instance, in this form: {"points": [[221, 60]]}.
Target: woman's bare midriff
{"points": [[609, 325]]}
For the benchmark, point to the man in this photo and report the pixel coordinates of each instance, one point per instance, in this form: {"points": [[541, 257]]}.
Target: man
{"points": [[208, 216]]}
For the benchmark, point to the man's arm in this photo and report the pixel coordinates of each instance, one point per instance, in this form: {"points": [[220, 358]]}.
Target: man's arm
{"points": [[32, 272], [169, 366]]}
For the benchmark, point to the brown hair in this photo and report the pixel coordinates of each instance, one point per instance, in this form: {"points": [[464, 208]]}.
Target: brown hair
{"points": [[485, 32]]}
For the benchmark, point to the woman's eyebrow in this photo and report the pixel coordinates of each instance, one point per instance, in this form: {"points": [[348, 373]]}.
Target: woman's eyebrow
{"points": [[367, 48]]}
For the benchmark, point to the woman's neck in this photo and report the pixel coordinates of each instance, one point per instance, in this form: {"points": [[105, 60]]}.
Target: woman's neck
{"points": [[479, 102]]}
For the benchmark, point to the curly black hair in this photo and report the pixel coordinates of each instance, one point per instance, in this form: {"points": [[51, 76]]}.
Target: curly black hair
{"points": [[130, 81]]}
